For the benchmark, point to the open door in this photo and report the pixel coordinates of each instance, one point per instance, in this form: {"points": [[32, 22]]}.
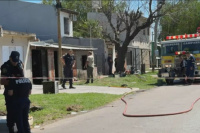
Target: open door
{"points": [[39, 66]]}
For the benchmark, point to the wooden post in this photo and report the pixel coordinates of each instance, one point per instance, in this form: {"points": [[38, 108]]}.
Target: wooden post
{"points": [[58, 6]]}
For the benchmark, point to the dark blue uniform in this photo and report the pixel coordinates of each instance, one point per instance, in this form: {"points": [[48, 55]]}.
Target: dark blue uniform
{"points": [[190, 65], [183, 65], [21, 88], [7, 70], [68, 70]]}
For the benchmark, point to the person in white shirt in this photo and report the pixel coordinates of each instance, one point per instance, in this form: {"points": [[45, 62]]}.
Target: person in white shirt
{"points": [[90, 66]]}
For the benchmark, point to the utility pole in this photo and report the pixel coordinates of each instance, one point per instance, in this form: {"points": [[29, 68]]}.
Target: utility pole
{"points": [[153, 53], [155, 38], [155, 43], [90, 35], [58, 7]]}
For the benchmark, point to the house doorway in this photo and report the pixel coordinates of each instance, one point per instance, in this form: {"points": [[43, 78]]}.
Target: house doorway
{"points": [[39, 66], [84, 59]]}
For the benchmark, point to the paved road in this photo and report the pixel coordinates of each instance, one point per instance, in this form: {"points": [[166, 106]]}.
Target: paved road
{"points": [[109, 119]]}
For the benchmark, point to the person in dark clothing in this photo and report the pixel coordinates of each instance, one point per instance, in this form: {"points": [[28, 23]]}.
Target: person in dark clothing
{"points": [[7, 70], [110, 63], [68, 61], [20, 89], [116, 64], [183, 65], [190, 67]]}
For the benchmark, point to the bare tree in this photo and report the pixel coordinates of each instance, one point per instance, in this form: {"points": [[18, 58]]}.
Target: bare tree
{"points": [[129, 20]]}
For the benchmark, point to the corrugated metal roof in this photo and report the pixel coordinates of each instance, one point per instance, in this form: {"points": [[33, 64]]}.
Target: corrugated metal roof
{"points": [[7, 32], [44, 44]]}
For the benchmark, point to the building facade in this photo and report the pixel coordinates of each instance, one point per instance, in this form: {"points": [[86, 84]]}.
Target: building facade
{"points": [[41, 56], [138, 50], [17, 41]]}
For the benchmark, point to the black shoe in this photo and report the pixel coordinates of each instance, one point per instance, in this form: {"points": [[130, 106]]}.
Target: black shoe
{"points": [[71, 87], [63, 86], [11, 130], [86, 82]]}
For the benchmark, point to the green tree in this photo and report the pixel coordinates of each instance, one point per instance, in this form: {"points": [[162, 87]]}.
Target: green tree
{"points": [[185, 18], [47, 2], [89, 28], [130, 20]]}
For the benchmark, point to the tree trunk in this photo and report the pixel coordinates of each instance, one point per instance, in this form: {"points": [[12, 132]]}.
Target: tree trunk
{"points": [[121, 54]]}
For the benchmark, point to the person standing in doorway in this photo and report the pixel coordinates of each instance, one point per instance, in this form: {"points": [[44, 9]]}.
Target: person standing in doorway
{"points": [[90, 66], [110, 63], [7, 70], [116, 70], [68, 61]]}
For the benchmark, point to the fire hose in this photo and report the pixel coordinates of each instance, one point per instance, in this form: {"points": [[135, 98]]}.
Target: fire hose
{"points": [[154, 115]]}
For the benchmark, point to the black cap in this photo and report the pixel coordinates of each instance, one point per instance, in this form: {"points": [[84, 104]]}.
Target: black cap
{"points": [[15, 56]]}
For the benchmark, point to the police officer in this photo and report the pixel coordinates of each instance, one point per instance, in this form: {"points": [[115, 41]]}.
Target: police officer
{"points": [[190, 67], [68, 61], [20, 89], [7, 70]]}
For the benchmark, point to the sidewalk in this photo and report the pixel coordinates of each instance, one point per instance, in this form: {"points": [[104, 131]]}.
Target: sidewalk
{"points": [[38, 89]]}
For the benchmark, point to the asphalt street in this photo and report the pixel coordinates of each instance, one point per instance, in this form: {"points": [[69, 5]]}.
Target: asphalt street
{"points": [[109, 119]]}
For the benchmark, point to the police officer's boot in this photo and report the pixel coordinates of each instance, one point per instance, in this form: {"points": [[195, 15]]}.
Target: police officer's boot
{"points": [[11, 130], [63, 86], [91, 80], [87, 81]]}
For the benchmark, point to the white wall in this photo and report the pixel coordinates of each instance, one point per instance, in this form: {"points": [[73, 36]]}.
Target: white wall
{"points": [[19, 44], [82, 74], [62, 16]]}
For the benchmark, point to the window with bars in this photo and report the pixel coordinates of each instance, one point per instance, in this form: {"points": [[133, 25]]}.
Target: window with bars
{"points": [[129, 58]]}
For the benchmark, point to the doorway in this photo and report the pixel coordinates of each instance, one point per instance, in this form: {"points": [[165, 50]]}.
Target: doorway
{"points": [[39, 66], [84, 59]]}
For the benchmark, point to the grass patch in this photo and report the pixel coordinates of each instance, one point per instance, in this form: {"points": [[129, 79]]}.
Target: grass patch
{"points": [[55, 105], [144, 81], [2, 104]]}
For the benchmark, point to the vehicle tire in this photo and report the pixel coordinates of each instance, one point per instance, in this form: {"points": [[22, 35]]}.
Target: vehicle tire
{"points": [[169, 81]]}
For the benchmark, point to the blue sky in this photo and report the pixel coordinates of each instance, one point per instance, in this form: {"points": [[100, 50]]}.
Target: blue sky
{"points": [[33, 1]]}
